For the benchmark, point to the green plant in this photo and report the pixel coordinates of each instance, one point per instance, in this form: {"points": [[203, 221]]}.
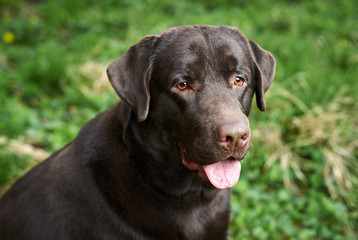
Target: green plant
{"points": [[299, 180]]}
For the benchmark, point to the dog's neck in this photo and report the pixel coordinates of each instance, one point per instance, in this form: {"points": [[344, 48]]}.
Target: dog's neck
{"points": [[161, 171]]}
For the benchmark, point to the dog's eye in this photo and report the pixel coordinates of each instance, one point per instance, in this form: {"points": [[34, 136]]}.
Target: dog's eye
{"points": [[182, 85], [239, 81]]}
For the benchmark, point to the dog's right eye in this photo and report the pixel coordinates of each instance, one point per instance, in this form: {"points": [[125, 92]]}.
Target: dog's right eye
{"points": [[239, 81], [182, 86]]}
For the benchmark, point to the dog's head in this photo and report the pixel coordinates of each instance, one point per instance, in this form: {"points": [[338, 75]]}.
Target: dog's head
{"points": [[195, 84]]}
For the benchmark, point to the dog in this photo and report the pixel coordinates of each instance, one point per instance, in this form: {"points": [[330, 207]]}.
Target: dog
{"points": [[160, 163]]}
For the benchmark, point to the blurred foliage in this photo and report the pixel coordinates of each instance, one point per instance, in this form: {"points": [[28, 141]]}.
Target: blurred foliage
{"points": [[299, 180]]}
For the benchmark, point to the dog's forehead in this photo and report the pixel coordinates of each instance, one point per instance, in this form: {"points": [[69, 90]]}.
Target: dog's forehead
{"points": [[205, 41], [204, 48]]}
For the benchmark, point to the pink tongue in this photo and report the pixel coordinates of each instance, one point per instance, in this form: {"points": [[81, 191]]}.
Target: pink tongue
{"points": [[223, 174]]}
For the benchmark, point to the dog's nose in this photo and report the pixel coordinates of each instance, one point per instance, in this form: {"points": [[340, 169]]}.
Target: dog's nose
{"points": [[233, 135]]}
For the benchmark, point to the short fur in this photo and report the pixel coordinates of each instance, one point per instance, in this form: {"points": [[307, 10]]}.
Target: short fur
{"points": [[123, 176]]}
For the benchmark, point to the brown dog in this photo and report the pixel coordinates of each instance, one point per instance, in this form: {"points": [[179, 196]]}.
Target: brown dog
{"points": [[159, 164]]}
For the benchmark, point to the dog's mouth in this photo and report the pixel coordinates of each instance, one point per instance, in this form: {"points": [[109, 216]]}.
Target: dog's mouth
{"points": [[222, 174]]}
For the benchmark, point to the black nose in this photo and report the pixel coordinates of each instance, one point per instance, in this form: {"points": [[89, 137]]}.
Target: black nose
{"points": [[233, 135]]}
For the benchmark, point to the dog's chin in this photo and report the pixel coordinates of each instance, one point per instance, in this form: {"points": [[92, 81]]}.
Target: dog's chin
{"points": [[222, 173]]}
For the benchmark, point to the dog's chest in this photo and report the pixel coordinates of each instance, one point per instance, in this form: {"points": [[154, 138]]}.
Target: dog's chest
{"points": [[208, 221]]}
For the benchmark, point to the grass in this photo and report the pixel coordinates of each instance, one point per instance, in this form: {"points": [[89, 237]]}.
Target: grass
{"points": [[300, 178]]}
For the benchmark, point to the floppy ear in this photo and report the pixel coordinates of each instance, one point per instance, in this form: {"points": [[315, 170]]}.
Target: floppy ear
{"points": [[130, 75], [265, 67]]}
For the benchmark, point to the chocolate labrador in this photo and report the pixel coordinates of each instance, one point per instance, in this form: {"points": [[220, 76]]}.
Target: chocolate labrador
{"points": [[159, 164]]}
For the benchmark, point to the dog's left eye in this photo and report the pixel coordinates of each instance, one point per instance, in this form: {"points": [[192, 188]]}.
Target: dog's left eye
{"points": [[182, 86], [239, 81]]}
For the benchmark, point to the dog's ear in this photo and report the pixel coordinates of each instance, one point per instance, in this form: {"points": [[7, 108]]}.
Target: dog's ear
{"points": [[130, 75], [265, 67]]}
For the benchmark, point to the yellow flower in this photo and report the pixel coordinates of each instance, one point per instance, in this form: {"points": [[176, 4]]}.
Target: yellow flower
{"points": [[8, 37]]}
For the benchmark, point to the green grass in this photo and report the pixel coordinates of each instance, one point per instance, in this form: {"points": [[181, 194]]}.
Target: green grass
{"points": [[300, 178]]}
